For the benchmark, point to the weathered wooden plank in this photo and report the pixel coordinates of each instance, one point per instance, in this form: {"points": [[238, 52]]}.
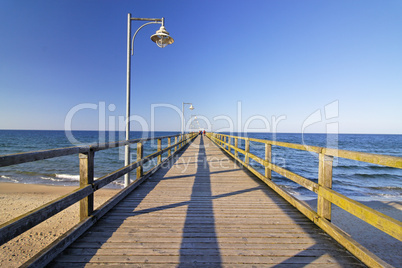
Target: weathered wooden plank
{"points": [[209, 259], [385, 160], [84, 251], [13, 159], [140, 155], [175, 245], [86, 179], [205, 221], [210, 234], [204, 213], [222, 265], [159, 148], [223, 240], [324, 206], [290, 229]]}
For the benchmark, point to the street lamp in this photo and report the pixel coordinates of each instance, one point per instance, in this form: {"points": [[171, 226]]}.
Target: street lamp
{"points": [[193, 120], [191, 108], [162, 39]]}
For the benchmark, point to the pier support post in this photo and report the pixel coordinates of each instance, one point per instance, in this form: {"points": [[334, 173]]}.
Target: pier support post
{"points": [[236, 144], [159, 149], [170, 150], [140, 155], [268, 158], [247, 149], [325, 180], [86, 178]]}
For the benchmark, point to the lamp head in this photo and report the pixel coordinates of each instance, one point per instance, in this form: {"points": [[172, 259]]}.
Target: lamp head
{"points": [[191, 107], [162, 37]]}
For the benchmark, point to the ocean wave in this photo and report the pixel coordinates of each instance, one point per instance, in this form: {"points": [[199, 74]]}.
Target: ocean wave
{"points": [[366, 176], [391, 196], [70, 177], [393, 188], [8, 178], [51, 179], [374, 175]]}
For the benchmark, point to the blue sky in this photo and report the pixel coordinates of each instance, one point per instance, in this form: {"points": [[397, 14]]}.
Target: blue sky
{"points": [[298, 66]]}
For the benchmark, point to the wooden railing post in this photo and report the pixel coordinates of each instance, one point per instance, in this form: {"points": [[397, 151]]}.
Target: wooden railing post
{"points": [[324, 179], [86, 178], [268, 158], [140, 155], [229, 141], [159, 149], [175, 142], [236, 153], [247, 149], [170, 150]]}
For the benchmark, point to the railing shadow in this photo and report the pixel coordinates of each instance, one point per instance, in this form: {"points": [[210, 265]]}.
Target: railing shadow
{"points": [[200, 219]]}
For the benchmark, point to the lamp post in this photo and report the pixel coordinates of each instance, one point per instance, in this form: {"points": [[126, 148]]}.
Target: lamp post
{"points": [[193, 120], [162, 39], [191, 108]]}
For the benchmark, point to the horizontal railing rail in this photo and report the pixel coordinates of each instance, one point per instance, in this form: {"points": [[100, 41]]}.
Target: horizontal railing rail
{"points": [[326, 196], [88, 186], [20, 158]]}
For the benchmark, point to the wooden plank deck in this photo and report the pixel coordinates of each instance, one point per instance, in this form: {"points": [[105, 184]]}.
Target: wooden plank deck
{"points": [[204, 210]]}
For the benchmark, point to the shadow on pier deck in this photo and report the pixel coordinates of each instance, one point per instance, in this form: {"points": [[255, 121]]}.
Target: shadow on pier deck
{"points": [[204, 210]]}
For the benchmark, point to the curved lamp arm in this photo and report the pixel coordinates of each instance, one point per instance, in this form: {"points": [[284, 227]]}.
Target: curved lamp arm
{"points": [[132, 41]]}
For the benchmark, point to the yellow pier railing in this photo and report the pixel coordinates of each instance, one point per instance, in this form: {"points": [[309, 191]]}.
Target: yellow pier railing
{"points": [[326, 196]]}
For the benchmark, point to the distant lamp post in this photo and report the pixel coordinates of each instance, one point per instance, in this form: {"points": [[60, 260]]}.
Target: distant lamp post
{"points": [[162, 39], [191, 108]]}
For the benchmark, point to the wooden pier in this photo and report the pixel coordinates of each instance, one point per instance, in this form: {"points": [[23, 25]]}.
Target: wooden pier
{"points": [[202, 209], [203, 204]]}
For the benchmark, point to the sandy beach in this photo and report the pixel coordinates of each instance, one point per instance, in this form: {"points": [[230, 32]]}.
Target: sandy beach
{"points": [[384, 246], [16, 199]]}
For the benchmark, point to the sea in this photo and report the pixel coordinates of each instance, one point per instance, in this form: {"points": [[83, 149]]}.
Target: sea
{"points": [[358, 180]]}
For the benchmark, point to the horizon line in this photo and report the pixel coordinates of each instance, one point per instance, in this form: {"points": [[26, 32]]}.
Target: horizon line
{"points": [[343, 133]]}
